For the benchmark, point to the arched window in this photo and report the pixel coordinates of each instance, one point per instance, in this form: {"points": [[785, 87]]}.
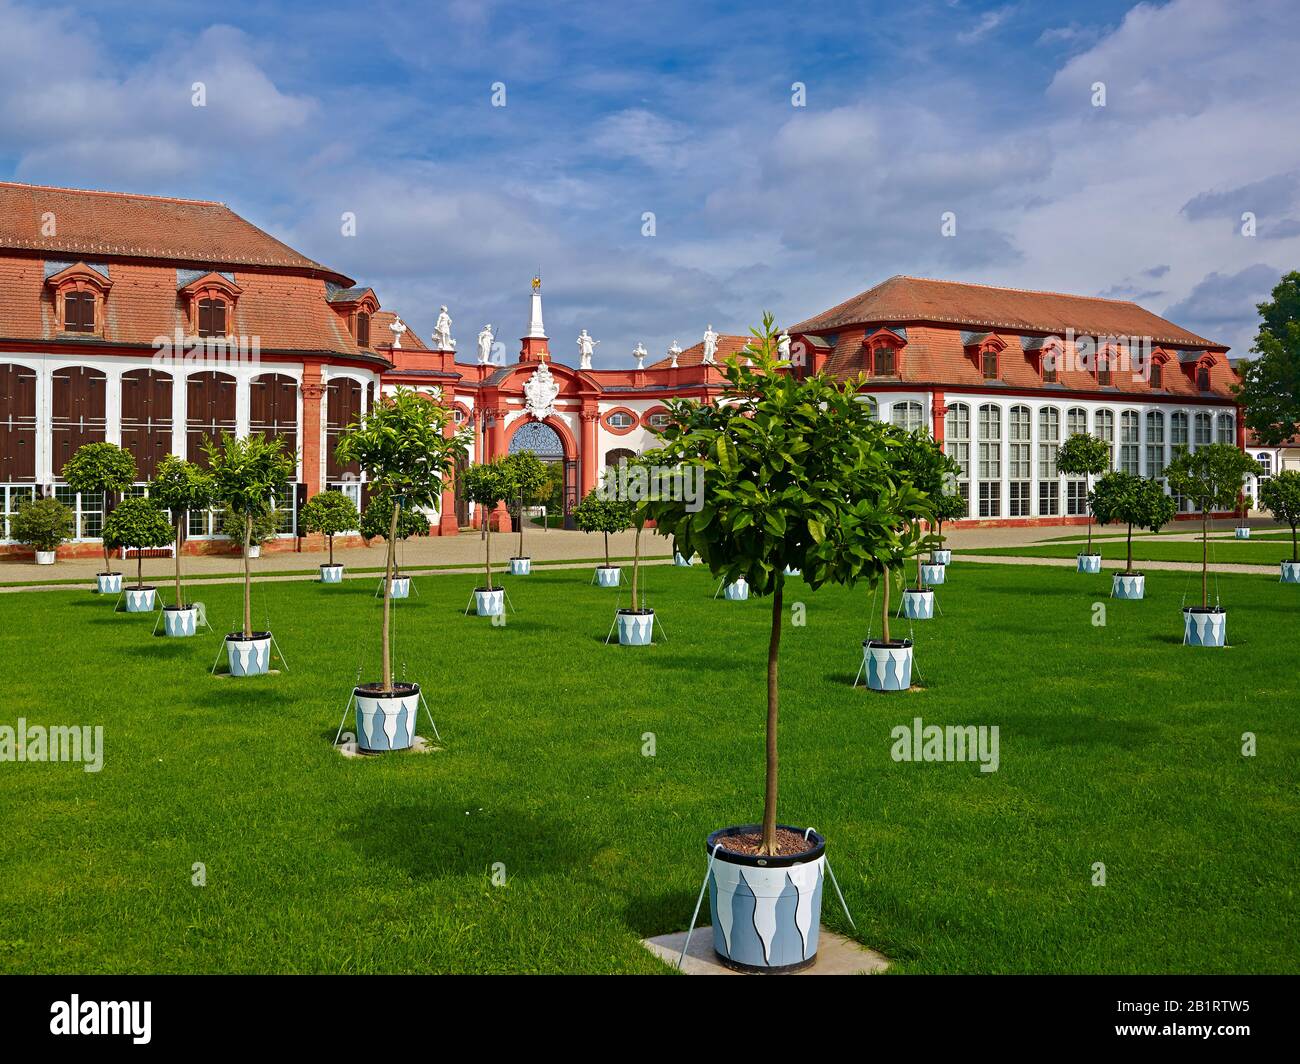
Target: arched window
{"points": [[1019, 470], [957, 444], [882, 355], [1203, 429], [363, 329], [1203, 378], [1156, 458], [1049, 443], [1105, 421], [1157, 375], [342, 408], [1226, 429], [906, 416], [273, 408], [1178, 429], [1076, 421], [989, 364], [17, 429], [1076, 488], [209, 411], [990, 461], [147, 418], [619, 454], [1129, 442]]}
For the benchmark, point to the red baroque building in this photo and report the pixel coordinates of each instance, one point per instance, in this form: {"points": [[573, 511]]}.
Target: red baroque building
{"points": [[155, 322]]}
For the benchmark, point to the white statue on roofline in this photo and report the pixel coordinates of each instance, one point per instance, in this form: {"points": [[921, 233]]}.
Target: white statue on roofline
{"points": [[442, 332], [673, 352], [398, 327], [485, 340], [586, 348], [639, 352], [710, 346]]}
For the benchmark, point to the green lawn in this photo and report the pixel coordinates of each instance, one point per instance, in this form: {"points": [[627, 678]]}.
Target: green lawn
{"points": [[1117, 745], [1154, 549]]}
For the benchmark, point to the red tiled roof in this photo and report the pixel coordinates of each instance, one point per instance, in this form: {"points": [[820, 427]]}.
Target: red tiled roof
{"points": [[693, 356], [1253, 441], [904, 299], [81, 224]]}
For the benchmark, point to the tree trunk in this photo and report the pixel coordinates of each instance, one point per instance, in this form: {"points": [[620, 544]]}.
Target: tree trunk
{"points": [[330, 540], [769, 847], [521, 524], [606, 550], [139, 566], [1129, 566], [1205, 559], [487, 555], [1295, 545], [108, 564], [385, 640], [884, 616], [180, 605], [248, 578], [636, 564]]}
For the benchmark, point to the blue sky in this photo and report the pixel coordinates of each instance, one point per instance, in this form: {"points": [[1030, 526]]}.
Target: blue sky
{"points": [[685, 110]]}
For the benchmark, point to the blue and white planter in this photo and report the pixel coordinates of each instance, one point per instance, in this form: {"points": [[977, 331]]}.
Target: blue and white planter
{"points": [[489, 601], [1089, 563], [608, 576], [521, 566], [249, 657], [399, 587], [331, 574], [736, 591], [790, 570], [1242, 532], [683, 563], [636, 627], [918, 605], [766, 910], [1128, 586], [888, 665], [108, 583], [1205, 626], [1290, 572], [932, 575], [180, 621], [386, 722], [140, 599], [941, 557]]}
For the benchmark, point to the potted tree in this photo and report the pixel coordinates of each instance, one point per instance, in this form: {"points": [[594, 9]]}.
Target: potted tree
{"points": [[601, 512], [1280, 496], [42, 524], [101, 469], [376, 523], [266, 526], [1085, 456], [527, 476], [921, 461], [950, 506], [636, 623], [138, 524], [487, 484], [1211, 477], [782, 461], [400, 445], [246, 474], [329, 514], [180, 487], [1131, 500], [1242, 531]]}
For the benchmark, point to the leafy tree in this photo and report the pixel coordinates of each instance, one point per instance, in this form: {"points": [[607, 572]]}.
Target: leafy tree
{"points": [[1270, 384], [137, 523], [1211, 476], [1084, 456], [1280, 496], [920, 461], [42, 523], [330, 513], [404, 449], [246, 474], [1131, 500], [182, 488], [376, 522], [100, 468], [528, 476], [265, 527], [949, 506], [599, 512], [796, 473], [487, 484]]}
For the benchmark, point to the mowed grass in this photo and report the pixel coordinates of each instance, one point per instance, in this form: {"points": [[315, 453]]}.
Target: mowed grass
{"points": [[1117, 745], [1268, 551]]}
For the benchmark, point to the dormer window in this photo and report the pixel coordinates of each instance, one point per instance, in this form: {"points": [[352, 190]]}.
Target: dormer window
{"points": [[989, 364], [1157, 375], [212, 317], [79, 294], [883, 350], [1203, 378], [1106, 358], [79, 312], [363, 329], [985, 352]]}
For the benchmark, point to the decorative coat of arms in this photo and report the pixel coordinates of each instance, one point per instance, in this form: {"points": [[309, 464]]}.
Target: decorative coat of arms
{"points": [[540, 393]]}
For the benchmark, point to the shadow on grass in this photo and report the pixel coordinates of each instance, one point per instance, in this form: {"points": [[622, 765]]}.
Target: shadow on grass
{"points": [[427, 840]]}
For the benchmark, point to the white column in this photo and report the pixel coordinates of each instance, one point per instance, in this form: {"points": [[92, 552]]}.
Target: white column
{"points": [[180, 435], [243, 404], [113, 406], [44, 430]]}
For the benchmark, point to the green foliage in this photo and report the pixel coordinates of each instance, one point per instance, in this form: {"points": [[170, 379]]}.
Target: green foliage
{"points": [[1083, 455], [400, 445], [487, 483], [96, 467], [42, 523], [1132, 500], [598, 513], [1280, 496], [1270, 384], [797, 472], [181, 486], [138, 523], [331, 513], [526, 476], [265, 526], [1211, 476], [378, 519], [949, 507], [247, 471]]}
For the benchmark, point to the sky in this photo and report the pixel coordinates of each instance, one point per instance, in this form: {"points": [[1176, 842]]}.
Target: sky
{"points": [[689, 114]]}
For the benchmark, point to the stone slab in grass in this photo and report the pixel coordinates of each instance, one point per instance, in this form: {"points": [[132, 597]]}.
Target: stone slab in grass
{"points": [[836, 955], [420, 746]]}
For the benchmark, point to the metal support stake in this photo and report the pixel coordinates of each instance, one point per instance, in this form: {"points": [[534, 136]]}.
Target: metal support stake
{"points": [[698, 902]]}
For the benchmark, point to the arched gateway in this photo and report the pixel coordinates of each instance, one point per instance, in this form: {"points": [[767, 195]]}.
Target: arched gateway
{"points": [[544, 441]]}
